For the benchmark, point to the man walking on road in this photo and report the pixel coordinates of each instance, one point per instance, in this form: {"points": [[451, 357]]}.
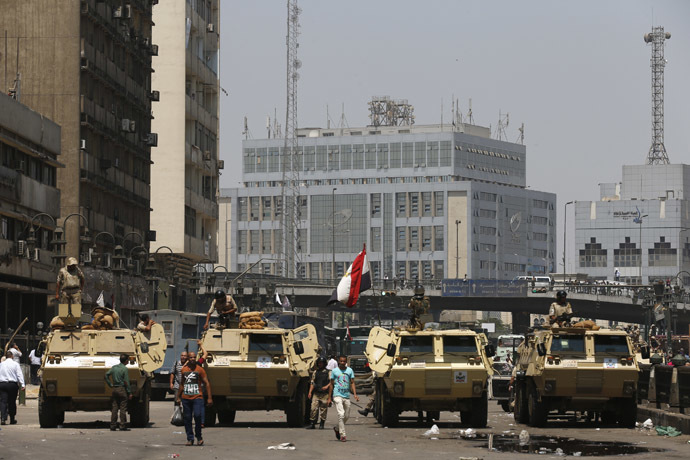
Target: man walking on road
{"points": [[342, 384], [11, 379], [176, 373], [318, 393], [35, 362], [117, 378], [193, 375]]}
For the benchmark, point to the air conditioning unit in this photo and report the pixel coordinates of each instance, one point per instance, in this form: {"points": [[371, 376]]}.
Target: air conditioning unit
{"points": [[37, 254], [132, 126], [20, 165], [221, 164], [207, 155], [152, 139], [127, 12], [105, 260], [210, 28], [125, 124], [21, 247], [84, 64], [155, 96], [82, 144], [153, 50]]}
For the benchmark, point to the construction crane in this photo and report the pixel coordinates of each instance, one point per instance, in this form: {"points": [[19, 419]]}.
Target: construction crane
{"points": [[290, 219]]}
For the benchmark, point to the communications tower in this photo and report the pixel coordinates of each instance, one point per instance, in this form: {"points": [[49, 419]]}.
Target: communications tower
{"points": [[657, 152]]}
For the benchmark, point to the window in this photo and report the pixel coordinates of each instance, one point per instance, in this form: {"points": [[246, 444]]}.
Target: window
{"points": [[594, 256], [446, 153], [358, 156], [662, 255], [488, 247], [539, 220], [487, 196], [611, 344], [370, 156], [189, 221], [346, 157], [254, 208], [426, 204], [261, 160], [266, 212], [414, 238], [414, 204], [400, 204], [375, 205], [488, 213], [400, 239], [568, 343], [539, 236], [459, 344], [265, 241], [253, 242], [541, 204], [382, 155], [375, 239], [321, 158], [309, 158], [395, 156], [438, 203], [426, 239], [487, 231], [420, 153], [242, 242], [438, 238], [407, 155], [417, 344], [268, 343]]}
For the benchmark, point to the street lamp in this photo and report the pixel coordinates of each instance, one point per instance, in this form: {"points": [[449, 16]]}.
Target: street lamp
{"points": [[457, 248], [565, 232], [333, 231], [639, 220]]}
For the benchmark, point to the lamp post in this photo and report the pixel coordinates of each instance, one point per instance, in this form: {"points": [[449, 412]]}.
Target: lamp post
{"points": [[457, 248], [83, 239], [333, 231], [639, 220], [565, 233]]}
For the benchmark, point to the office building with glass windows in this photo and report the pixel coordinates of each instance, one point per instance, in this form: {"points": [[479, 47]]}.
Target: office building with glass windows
{"points": [[639, 226], [430, 202]]}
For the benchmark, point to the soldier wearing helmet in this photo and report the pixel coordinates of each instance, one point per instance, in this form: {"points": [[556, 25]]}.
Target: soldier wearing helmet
{"points": [[226, 307], [70, 282], [419, 305], [560, 310]]}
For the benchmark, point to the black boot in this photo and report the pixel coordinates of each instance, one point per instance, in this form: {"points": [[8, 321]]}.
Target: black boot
{"points": [[321, 424], [312, 425]]}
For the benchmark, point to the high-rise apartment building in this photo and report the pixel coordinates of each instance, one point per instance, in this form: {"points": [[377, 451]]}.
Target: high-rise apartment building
{"points": [[87, 66], [184, 178]]}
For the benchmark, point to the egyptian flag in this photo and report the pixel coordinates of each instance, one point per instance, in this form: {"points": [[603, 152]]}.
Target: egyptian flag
{"points": [[356, 280]]}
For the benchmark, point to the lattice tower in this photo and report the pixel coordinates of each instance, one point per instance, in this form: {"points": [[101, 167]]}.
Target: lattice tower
{"points": [[290, 221], [657, 152]]}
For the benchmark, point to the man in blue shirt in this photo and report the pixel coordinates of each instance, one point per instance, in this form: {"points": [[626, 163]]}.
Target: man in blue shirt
{"points": [[342, 384]]}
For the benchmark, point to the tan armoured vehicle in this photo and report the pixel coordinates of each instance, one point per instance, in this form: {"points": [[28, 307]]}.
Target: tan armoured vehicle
{"points": [[430, 370], [259, 369], [576, 369], [74, 363]]}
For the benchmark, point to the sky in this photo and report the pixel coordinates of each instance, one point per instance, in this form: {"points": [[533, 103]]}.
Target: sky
{"points": [[576, 73]]}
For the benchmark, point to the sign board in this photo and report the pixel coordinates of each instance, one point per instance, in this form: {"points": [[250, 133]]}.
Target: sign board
{"points": [[490, 327]]}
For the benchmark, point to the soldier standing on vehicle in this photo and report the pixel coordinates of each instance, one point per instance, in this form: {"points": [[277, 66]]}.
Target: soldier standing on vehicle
{"points": [[117, 378], [342, 384], [560, 310], [225, 306], [70, 282], [419, 305], [318, 393]]}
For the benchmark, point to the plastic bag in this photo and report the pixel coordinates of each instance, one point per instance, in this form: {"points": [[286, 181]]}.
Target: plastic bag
{"points": [[433, 431], [667, 431], [177, 419]]}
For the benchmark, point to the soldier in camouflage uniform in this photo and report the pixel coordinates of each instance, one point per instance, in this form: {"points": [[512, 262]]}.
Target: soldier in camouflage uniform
{"points": [[419, 305]]}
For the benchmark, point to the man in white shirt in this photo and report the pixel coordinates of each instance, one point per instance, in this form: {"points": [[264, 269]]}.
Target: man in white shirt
{"points": [[35, 362], [332, 363], [16, 352], [11, 379]]}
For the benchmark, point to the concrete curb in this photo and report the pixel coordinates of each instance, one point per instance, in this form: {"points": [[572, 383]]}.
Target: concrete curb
{"points": [[664, 418]]}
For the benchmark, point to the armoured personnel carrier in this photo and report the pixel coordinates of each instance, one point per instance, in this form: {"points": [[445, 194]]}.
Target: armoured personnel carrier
{"points": [[259, 369], [430, 370], [576, 369], [73, 366]]}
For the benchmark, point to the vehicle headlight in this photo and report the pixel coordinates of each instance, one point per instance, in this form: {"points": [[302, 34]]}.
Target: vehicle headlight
{"points": [[51, 387], [399, 387], [477, 387], [628, 387], [549, 386]]}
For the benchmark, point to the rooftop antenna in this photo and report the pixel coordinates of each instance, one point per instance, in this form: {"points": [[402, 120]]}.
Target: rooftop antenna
{"points": [[521, 137], [657, 151], [246, 133], [503, 122], [276, 126], [470, 118], [15, 91], [268, 125], [343, 120]]}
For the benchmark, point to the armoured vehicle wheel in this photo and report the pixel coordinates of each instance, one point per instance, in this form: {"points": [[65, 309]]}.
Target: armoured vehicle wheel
{"points": [[537, 409], [158, 394], [505, 405], [210, 416], [433, 415], [61, 417], [628, 413], [520, 411], [47, 411], [480, 411], [226, 416], [296, 408], [139, 410], [389, 410]]}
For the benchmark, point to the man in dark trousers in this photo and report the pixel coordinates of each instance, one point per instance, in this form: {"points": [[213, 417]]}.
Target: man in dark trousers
{"points": [[190, 391], [117, 378], [318, 393], [11, 379]]}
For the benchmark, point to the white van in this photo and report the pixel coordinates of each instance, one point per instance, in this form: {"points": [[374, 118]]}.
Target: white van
{"points": [[539, 282]]}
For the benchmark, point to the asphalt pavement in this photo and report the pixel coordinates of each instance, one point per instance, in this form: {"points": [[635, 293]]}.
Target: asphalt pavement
{"points": [[87, 435]]}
